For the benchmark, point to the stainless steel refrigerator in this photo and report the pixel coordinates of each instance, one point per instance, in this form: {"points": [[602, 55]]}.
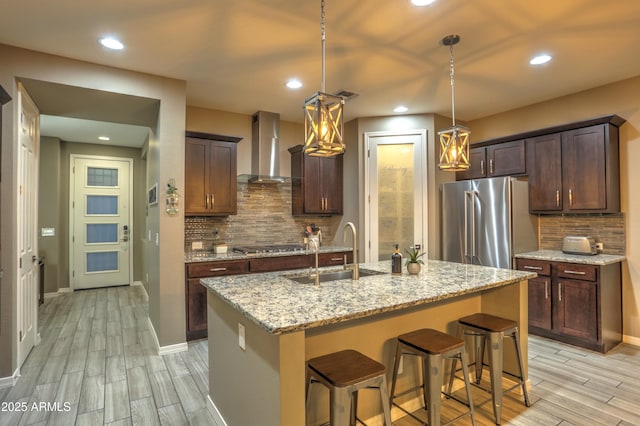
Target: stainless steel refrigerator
{"points": [[486, 221]]}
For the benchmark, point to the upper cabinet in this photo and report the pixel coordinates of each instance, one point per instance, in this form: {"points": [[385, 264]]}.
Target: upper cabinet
{"points": [[316, 184], [502, 159], [575, 171], [210, 175]]}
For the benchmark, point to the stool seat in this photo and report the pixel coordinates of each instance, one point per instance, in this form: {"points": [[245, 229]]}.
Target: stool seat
{"points": [[345, 368], [488, 322], [344, 373], [431, 341]]}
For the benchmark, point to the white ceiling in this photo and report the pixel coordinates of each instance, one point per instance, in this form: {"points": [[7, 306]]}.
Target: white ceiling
{"points": [[236, 55]]}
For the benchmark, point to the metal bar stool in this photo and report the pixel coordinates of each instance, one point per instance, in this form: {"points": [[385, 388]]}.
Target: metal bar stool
{"points": [[433, 347], [483, 327], [345, 373]]}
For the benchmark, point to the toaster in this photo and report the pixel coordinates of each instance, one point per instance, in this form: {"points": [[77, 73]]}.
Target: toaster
{"points": [[579, 245]]}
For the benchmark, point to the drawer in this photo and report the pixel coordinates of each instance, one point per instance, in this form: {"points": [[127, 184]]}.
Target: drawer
{"points": [[332, 259], [215, 269], [541, 267], [577, 271], [279, 263]]}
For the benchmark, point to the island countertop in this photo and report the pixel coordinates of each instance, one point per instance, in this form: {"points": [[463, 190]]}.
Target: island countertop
{"points": [[559, 256], [280, 305]]}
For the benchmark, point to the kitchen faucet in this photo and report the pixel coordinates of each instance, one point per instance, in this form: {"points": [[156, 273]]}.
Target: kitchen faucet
{"points": [[315, 243], [356, 270]]}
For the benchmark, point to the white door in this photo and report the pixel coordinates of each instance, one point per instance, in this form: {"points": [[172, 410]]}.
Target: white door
{"points": [[395, 184], [29, 144], [100, 221]]}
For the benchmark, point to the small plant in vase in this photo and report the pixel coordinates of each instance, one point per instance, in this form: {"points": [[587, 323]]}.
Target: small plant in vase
{"points": [[413, 261]]}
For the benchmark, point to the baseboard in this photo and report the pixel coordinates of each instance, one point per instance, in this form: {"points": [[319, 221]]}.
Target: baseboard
{"points": [[51, 295], [635, 341], [169, 349], [58, 293], [139, 284], [65, 290], [217, 417], [8, 382]]}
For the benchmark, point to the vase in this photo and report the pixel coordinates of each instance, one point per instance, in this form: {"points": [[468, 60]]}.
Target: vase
{"points": [[413, 268]]}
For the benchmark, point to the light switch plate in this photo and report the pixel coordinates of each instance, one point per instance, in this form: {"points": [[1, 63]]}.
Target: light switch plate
{"points": [[196, 245], [48, 232]]}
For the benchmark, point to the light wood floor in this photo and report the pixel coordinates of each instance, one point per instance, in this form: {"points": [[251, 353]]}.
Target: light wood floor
{"points": [[98, 356]]}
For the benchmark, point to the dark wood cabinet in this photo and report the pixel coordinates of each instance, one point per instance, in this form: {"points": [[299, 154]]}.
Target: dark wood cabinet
{"points": [[576, 171], [316, 184], [196, 293], [210, 175], [503, 159], [575, 303]]}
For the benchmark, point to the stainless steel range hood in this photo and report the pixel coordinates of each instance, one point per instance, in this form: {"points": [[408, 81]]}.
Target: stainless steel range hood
{"points": [[265, 148]]}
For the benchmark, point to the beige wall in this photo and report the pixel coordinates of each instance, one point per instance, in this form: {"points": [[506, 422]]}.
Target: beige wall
{"points": [[165, 159], [621, 98]]}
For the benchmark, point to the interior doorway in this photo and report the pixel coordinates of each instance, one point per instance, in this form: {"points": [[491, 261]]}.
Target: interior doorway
{"points": [[395, 190], [100, 221]]}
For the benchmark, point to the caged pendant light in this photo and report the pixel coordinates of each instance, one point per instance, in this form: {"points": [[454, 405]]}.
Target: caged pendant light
{"points": [[323, 120], [454, 141]]}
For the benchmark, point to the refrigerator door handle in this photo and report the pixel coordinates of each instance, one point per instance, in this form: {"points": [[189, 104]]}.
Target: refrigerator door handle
{"points": [[473, 224], [466, 221]]}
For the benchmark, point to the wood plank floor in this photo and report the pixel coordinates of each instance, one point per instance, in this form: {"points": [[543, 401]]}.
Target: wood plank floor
{"points": [[97, 361]]}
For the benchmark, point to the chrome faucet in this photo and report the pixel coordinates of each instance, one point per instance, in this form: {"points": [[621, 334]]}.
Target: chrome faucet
{"points": [[315, 243], [356, 270]]}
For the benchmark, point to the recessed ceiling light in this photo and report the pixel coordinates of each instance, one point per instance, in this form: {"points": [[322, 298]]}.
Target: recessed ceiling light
{"points": [[540, 59], [400, 108], [111, 43], [294, 84], [104, 138], [422, 2]]}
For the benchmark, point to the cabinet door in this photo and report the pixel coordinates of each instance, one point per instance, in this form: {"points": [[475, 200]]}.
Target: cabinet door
{"points": [[332, 184], [312, 184], [584, 165], [222, 177], [196, 176], [196, 308], [506, 159], [576, 312], [477, 168], [540, 302], [545, 173]]}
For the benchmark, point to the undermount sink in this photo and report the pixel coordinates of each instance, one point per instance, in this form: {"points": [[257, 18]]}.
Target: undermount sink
{"points": [[346, 274]]}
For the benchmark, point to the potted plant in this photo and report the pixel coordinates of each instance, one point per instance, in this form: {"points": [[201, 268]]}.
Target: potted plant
{"points": [[413, 261]]}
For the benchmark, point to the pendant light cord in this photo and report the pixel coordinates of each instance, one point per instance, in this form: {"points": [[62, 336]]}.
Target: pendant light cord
{"points": [[322, 40], [453, 102]]}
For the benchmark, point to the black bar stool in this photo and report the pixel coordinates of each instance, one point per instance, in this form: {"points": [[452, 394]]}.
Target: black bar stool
{"points": [[483, 327], [433, 347], [345, 373]]}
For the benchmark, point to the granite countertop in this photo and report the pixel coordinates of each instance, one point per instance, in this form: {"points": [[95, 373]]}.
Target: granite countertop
{"points": [[280, 305], [559, 256], [208, 256]]}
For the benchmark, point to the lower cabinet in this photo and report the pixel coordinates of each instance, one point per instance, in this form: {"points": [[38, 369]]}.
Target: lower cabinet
{"points": [[575, 303], [196, 293]]}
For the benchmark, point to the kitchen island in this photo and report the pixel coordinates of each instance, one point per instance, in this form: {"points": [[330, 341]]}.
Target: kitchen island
{"points": [[285, 323]]}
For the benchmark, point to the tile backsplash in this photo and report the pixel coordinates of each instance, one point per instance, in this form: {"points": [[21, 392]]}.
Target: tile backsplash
{"points": [[264, 217], [607, 229]]}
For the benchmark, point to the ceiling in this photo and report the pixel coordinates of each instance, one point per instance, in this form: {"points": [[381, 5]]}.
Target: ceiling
{"points": [[237, 55]]}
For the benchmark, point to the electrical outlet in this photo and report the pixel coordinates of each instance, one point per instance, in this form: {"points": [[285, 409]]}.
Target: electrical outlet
{"points": [[599, 246], [241, 337], [196, 245]]}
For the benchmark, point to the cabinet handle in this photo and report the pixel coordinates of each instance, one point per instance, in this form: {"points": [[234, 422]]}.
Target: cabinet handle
{"points": [[560, 292], [213, 200], [336, 259], [482, 167], [206, 202], [546, 289], [571, 198], [534, 268], [217, 269], [568, 271], [491, 166], [557, 198]]}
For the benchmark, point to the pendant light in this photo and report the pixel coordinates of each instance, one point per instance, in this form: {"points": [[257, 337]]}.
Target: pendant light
{"points": [[323, 120], [454, 141]]}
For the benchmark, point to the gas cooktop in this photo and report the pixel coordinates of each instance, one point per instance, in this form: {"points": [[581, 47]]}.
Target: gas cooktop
{"points": [[271, 248]]}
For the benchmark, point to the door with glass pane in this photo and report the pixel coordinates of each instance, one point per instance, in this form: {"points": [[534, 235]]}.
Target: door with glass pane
{"points": [[100, 221], [396, 212]]}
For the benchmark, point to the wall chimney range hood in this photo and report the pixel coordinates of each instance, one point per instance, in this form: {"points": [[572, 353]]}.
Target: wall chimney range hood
{"points": [[265, 149]]}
